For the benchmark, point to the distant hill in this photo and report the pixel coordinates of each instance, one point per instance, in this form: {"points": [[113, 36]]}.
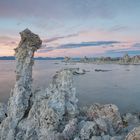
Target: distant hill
{"points": [[7, 58], [49, 58], [36, 58]]}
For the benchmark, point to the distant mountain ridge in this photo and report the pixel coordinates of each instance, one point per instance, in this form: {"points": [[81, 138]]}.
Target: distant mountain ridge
{"points": [[7, 58], [36, 58]]}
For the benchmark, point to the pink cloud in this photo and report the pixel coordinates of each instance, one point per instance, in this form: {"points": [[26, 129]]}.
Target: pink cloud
{"points": [[88, 51], [7, 45]]}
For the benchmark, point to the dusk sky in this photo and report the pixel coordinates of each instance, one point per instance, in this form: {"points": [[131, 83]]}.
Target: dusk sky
{"points": [[74, 28]]}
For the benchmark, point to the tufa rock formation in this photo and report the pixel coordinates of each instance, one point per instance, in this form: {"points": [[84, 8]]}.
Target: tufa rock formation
{"points": [[106, 114], [67, 59], [127, 60], [19, 102], [38, 115]]}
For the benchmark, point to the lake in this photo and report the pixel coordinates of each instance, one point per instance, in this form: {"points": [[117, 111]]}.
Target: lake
{"points": [[120, 86]]}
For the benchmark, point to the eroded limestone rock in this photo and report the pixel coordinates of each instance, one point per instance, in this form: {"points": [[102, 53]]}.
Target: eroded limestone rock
{"points": [[19, 101], [88, 130], [70, 129], [106, 116], [47, 115], [62, 94], [24, 53]]}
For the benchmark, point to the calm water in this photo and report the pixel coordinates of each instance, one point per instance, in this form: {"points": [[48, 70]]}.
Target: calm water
{"points": [[120, 86]]}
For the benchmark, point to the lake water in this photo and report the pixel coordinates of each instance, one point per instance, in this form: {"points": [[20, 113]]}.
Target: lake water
{"points": [[121, 86]]}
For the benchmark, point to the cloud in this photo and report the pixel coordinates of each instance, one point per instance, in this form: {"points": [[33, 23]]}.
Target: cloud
{"points": [[66, 8], [136, 45], [118, 28], [55, 8], [59, 37], [87, 44], [7, 42], [92, 49], [79, 45], [132, 48], [122, 52]]}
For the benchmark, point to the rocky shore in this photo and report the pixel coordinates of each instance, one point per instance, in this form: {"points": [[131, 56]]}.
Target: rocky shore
{"points": [[53, 113]]}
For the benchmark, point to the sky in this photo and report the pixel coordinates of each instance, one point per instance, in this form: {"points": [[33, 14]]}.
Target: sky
{"points": [[74, 28]]}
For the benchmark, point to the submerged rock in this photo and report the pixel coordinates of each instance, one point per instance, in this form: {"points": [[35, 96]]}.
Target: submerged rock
{"points": [[77, 71], [100, 70]]}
